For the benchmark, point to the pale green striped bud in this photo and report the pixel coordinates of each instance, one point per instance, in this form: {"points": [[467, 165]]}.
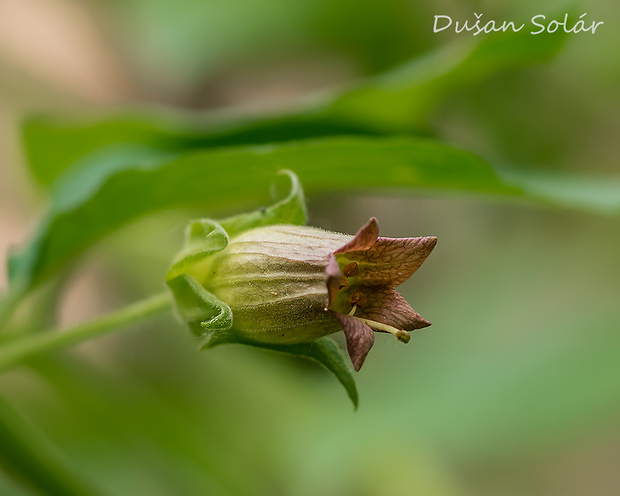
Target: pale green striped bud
{"points": [[274, 281]]}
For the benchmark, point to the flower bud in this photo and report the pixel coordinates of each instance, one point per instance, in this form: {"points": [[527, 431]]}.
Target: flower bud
{"points": [[250, 279], [288, 284], [274, 281]]}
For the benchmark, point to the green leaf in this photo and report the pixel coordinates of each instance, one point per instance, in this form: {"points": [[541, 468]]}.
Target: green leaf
{"points": [[85, 214], [243, 174], [53, 145], [396, 101], [29, 458], [568, 189], [324, 350], [402, 99], [198, 308]]}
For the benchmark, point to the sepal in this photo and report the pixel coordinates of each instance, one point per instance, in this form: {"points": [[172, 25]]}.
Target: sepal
{"points": [[198, 308], [203, 237], [290, 210]]}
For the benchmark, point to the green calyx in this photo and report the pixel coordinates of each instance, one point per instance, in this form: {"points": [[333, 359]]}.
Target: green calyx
{"points": [[259, 279]]}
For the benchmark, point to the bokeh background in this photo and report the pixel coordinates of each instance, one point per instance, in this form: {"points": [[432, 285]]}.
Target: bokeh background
{"points": [[514, 390]]}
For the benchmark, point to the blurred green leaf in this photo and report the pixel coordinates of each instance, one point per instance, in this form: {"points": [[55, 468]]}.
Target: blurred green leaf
{"points": [[90, 210], [397, 101], [402, 99], [597, 193], [29, 458], [194, 38], [172, 433]]}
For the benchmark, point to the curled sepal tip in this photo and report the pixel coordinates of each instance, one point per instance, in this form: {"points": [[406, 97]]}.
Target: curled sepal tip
{"points": [[203, 237], [199, 309], [290, 210]]}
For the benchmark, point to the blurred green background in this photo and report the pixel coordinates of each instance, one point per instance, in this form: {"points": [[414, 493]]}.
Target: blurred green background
{"points": [[514, 390]]}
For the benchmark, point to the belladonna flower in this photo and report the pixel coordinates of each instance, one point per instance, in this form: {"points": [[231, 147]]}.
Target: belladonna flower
{"points": [[361, 277], [264, 279], [287, 284]]}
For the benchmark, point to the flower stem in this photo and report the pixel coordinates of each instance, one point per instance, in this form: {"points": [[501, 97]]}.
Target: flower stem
{"points": [[9, 302], [16, 352]]}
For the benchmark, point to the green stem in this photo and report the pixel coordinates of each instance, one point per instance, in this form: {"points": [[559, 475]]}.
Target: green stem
{"points": [[16, 352], [9, 303]]}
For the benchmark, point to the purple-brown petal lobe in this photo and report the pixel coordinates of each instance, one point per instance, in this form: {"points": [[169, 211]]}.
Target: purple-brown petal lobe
{"points": [[385, 305], [391, 261], [334, 277], [364, 239], [359, 336]]}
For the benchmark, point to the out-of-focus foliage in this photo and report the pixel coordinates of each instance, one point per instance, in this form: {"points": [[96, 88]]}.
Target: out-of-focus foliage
{"points": [[394, 102], [223, 178], [187, 41]]}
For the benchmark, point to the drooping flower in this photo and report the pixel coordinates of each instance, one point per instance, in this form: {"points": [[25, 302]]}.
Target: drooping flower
{"points": [[288, 284], [362, 276], [265, 279]]}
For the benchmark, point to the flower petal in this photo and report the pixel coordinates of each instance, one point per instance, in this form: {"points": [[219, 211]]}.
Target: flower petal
{"points": [[359, 336], [385, 305], [391, 261], [334, 278], [364, 239]]}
